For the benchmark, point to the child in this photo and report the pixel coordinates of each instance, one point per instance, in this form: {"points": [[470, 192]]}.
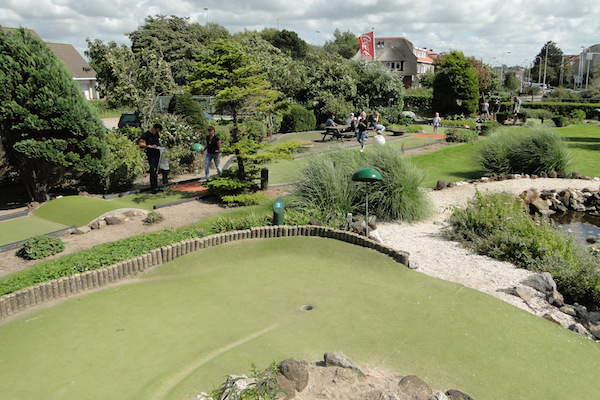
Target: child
{"points": [[437, 122]]}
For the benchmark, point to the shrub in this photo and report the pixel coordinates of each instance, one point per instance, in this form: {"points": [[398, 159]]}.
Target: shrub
{"points": [[420, 104], [124, 162], [502, 117], [298, 119], [41, 247], [414, 129], [327, 192], [227, 184], [328, 104], [561, 108], [181, 159], [560, 121], [393, 115], [461, 135], [176, 131], [226, 224], [539, 114], [153, 217], [184, 105], [254, 128], [499, 226], [577, 115], [531, 152], [488, 127], [246, 199], [456, 86]]}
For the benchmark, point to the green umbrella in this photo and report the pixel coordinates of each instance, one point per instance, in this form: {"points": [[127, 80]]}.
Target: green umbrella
{"points": [[367, 175]]}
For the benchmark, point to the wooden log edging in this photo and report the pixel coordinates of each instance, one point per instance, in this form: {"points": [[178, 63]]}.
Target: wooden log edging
{"points": [[21, 300]]}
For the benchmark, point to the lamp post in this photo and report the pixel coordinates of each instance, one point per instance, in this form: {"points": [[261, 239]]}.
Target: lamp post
{"points": [[367, 175], [206, 15]]}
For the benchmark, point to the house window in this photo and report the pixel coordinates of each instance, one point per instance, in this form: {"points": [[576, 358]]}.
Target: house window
{"points": [[401, 65]]}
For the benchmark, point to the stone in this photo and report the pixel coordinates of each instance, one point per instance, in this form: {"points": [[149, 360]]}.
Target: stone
{"points": [[439, 396], [94, 224], [540, 206], [454, 394], [339, 360], [595, 330], [551, 318], [581, 311], [415, 387], [591, 240], [82, 230], [569, 310], [579, 329], [287, 387], [556, 299], [134, 213], [114, 219], [552, 174], [542, 282], [378, 395], [441, 185], [543, 175], [296, 372], [594, 316], [524, 292]]}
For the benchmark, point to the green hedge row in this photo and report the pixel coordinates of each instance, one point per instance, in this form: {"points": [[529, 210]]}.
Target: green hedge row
{"points": [[561, 108], [422, 105]]}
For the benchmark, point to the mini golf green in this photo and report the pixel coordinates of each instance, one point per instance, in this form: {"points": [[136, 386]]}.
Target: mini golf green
{"points": [[179, 329], [21, 228]]}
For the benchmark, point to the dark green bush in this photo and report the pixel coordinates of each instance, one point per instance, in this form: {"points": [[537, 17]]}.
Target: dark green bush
{"points": [[246, 199], [297, 119], [227, 184], [327, 193], [530, 152], [226, 224], [124, 162], [560, 121], [393, 115], [181, 159], [41, 247], [577, 115], [184, 105], [499, 226], [422, 105], [562, 108], [461, 135], [153, 217], [487, 128], [539, 114], [176, 131]]}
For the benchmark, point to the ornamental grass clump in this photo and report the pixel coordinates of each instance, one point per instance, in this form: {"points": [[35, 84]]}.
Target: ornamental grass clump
{"points": [[530, 151], [498, 225], [327, 192]]}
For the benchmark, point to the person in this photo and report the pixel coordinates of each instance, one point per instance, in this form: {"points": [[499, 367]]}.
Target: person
{"points": [[351, 122], [437, 122], [495, 109], [516, 108], [150, 141], [330, 122], [485, 110], [361, 130], [213, 152], [375, 120]]}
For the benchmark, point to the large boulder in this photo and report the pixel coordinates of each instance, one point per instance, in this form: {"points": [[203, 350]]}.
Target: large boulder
{"points": [[415, 388], [339, 360], [114, 219], [595, 330], [454, 394], [541, 282], [556, 299], [296, 371]]}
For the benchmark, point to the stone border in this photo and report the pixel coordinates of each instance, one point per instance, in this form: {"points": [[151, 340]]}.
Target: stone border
{"points": [[21, 300]]}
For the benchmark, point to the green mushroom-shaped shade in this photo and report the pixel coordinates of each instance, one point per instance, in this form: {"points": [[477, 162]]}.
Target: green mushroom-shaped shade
{"points": [[367, 175], [197, 147]]}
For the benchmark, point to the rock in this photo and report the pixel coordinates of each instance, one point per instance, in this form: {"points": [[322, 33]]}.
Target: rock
{"points": [[441, 185], [551, 318], [82, 230], [378, 395], [524, 292], [287, 387], [534, 177], [595, 330], [594, 316], [114, 219], [552, 174], [581, 311], [409, 114], [569, 310], [579, 329], [542, 282], [439, 396], [134, 213], [94, 224], [543, 175], [451, 184], [296, 372], [556, 299], [454, 394], [591, 240], [541, 207], [339, 360], [203, 396], [415, 387]]}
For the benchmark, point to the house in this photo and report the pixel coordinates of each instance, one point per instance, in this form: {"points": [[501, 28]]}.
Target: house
{"points": [[403, 58], [588, 60], [80, 70]]}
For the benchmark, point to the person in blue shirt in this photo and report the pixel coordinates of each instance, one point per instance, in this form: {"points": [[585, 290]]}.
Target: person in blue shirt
{"points": [[330, 122]]}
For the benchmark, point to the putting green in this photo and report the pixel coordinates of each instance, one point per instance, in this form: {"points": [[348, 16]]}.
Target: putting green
{"points": [[180, 328], [21, 228]]}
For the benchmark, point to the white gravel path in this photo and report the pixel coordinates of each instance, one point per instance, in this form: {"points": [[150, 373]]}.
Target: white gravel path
{"points": [[437, 256]]}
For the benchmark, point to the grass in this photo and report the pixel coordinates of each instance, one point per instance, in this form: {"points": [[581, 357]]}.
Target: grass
{"points": [[179, 329], [583, 142], [22, 228], [103, 111]]}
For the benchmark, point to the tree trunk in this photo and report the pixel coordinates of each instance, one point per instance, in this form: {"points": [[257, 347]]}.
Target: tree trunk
{"points": [[240, 163]]}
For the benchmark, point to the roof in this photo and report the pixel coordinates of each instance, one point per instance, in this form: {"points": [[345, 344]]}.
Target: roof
{"points": [[426, 60], [79, 68], [394, 49]]}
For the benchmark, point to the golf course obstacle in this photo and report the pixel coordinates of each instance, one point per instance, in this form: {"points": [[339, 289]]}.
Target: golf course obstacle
{"points": [[19, 301]]}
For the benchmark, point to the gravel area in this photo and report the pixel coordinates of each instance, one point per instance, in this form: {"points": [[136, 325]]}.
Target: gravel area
{"points": [[437, 256]]}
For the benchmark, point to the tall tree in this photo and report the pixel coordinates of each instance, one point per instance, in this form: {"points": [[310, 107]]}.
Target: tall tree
{"points": [[377, 86], [456, 87], [50, 133], [511, 82], [485, 76], [287, 41], [344, 43], [176, 40], [553, 65]]}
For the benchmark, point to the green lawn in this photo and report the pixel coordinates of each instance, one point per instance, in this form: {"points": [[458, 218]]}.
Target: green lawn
{"points": [[181, 328], [22, 228], [584, 145]]}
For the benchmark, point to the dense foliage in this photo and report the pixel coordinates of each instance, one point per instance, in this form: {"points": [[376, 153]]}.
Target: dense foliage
{"points": [[499, 226], [287, 41], [49, 132], [297, 119], [563, 108], [531, 151], [550, 58], [456, 86], [186, 106], [344, 43], [124, 162], [41, 247], [327, 193], [461, 135]]}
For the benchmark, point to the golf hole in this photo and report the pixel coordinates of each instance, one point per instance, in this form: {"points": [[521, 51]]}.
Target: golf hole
{"points": [[307, 307]]}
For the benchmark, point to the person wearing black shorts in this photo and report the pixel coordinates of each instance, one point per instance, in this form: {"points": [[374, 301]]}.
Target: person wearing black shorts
{"points": [[150, 141]]}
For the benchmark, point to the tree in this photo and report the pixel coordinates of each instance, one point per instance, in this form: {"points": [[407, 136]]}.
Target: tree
{"points": [[130, 79], [287, 41], [485, 76], [456, 87], [426, 80], [511, 82], [555, 59], [176, 40], [344, 43], [377, 86], [50, 133]]}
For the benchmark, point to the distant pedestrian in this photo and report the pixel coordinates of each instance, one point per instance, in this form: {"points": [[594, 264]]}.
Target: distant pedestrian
{"points": [[150, 142], [361, 130], [213, 152], [495, 109], [485, 110], [376, 122], [437, 122], [516, 108]]}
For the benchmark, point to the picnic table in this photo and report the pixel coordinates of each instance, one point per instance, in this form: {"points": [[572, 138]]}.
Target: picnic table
{"points": [[338, 132]]}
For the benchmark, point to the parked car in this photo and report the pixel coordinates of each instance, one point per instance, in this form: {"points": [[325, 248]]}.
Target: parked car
{"points": [[129, 120]]}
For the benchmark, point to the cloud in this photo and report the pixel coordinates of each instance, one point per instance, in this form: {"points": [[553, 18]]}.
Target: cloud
{"points": [[487, 29]]}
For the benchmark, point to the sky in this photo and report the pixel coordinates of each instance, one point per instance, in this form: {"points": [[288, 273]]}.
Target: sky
{"points": [[498, 31]]}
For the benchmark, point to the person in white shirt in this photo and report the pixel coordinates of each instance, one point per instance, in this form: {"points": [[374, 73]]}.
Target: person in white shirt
{"points": [[437, 122]]}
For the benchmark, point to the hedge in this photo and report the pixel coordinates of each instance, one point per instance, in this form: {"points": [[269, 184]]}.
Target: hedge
{"points": [[298, 119], [561, 108], [419, 104]]}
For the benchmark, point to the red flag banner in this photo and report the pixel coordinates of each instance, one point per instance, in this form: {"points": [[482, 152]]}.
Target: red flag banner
{"points": [[367, 45]]}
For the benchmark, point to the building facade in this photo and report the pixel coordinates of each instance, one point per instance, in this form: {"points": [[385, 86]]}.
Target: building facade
{"points": [[399, 55], [586, 63]]}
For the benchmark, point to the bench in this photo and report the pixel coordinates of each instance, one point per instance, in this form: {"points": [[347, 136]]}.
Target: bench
{"points": [[337, 132]]}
